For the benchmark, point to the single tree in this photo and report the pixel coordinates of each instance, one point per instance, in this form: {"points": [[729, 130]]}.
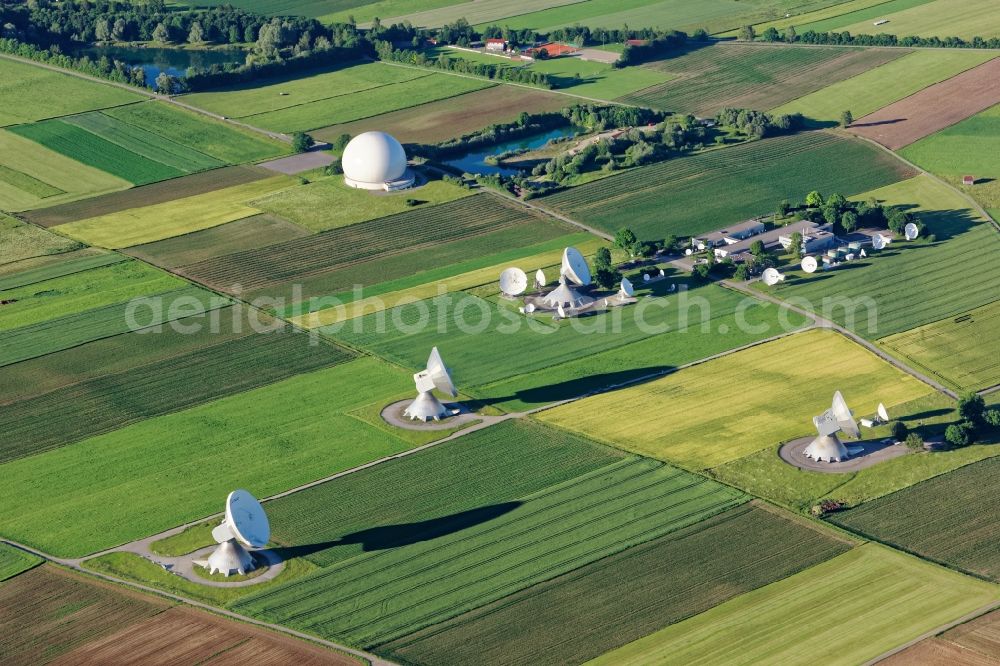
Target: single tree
{"points": [[703, 271], [747, 33], [849, 221], [606, 278], [814, 199], [196, 35], [914, 441], [790, 35], [625, 238], [102, 30], [118, 30], [958, 435], [757, 248], [301, 142], [992, 417], [971, 407], [161, 34], [784, 207], [602, 258], [771, 34], [341, 142], [899, 431], [846, 118], [796, 246], [164, 84], [742, 272]]}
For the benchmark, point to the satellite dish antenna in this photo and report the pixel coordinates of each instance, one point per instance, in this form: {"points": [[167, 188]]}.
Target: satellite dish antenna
{"points": [[245, 525], [435, 376], [561, 310], [878, 242], [862, 253], [645, 277], [688, 252], [911, 231], [513, 282], [809, 264], [883, 413], [529, 308], [627, 290], [845, 419], [539, 279], [575, 267], [772, 277]]}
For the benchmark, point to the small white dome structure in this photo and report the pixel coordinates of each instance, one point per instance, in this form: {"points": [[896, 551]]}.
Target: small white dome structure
{"points": [[375, 161]]}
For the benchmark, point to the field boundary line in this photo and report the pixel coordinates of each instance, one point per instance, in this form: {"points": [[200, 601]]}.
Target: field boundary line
{"points": [[983, 610]]}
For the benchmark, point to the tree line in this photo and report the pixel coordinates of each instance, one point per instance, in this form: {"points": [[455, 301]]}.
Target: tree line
{"points": [[790, 36]]}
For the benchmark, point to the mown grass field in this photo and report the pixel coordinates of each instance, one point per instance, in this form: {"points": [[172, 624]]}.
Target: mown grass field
{"points": [[439, 13], [20, 241], [713, 420], [596, 79], [884, 85], [46, 612], [389, 592], [106, 490], [427, 493], [957, 351], [837, 15], [969, 644], [328, 203], [966, 148], [947, 519], [102, 404], [14, 561], [41, 93], [844, 611], [909, 284], [605, 604], [669, 198], [174, 218], [706, 79], [33, 176], [943, 18]]}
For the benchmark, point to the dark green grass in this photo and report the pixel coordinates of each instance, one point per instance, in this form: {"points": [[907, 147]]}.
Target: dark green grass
{"points": [[14, 561], [29, 184], [599, 607], [950, 519], [704, 192], [473, 558], [486, 467], [68, 266], [90, 149], [106, 403]]}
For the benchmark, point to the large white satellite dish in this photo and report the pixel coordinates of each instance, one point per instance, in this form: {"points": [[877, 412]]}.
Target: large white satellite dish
{"points": [[772, 277], [911, 231], [878, 242], [883, 413], [561, 311], [809, 264], [539, 279], [827, 446], [844, 416], [513, 282], [627, 290], [575, 267], [245, 524], [426, 406]]}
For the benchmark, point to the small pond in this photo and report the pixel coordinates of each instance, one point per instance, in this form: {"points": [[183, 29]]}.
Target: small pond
{"points": [[174, 62], [475, 162]]}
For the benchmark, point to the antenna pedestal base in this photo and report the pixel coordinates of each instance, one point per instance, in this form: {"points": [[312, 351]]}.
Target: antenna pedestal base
{"points": [[827, 448], [426, 408], [230, 557]]}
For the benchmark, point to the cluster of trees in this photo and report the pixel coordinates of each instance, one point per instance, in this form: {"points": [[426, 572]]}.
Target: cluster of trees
{"points": [[500, 72], [757, 124], [113, 70], [975, 422], [526, 124], [654, 49], [790, 36], [581, 35], [846, 216], [758, 261]]}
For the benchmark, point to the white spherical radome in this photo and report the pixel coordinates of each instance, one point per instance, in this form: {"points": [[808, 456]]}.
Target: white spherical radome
{"points": [[373, 158]]}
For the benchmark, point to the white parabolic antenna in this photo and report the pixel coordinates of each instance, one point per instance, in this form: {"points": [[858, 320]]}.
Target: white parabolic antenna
{"points": [[513, 282], [540, 278], [844, 416], [883, 413], [772, 277], [809, 264], [911, 231], [878, 242], [529, 308], [245, 524], [561, 310], [575, 267], [436, 376], [627, 289]]}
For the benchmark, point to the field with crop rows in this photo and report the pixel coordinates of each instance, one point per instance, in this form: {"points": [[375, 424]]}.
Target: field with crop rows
{"points": [[43, 93], [20, 241], [669, 198], [957, 351], [162, 472], [909, 284], [605, 604], [421, 234], [33, 176], [883, 85], [947, 519], [943, 18], [14, 561], [472, 11], [388, 592], [744, 76], [844, 611], [732, 421], [46, 612], [174, 218], [431, 492], [57, 266]]}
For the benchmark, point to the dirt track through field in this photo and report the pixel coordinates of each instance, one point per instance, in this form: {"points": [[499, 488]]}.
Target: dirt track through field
{"points": [[933, 108]]}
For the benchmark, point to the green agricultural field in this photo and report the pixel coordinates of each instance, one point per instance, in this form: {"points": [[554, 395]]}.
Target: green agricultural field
{"points": [[756, 76], [714, 420], [669, 198], [608, 603], [395, 246], [33, 176], [90, 149], [855, 12], [56, 266], [105, 403], [71, 294], [163, 472], [35, 93], [439, 13], [909, 284], [947, 519], [14, 561], [222, 141], [942, 18], [957, 351], [19, 241], [53, 335], [174, 218], [845, 611], [344, 108], [328, 203], [392, 590], [884, 85], [596, 79]]}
